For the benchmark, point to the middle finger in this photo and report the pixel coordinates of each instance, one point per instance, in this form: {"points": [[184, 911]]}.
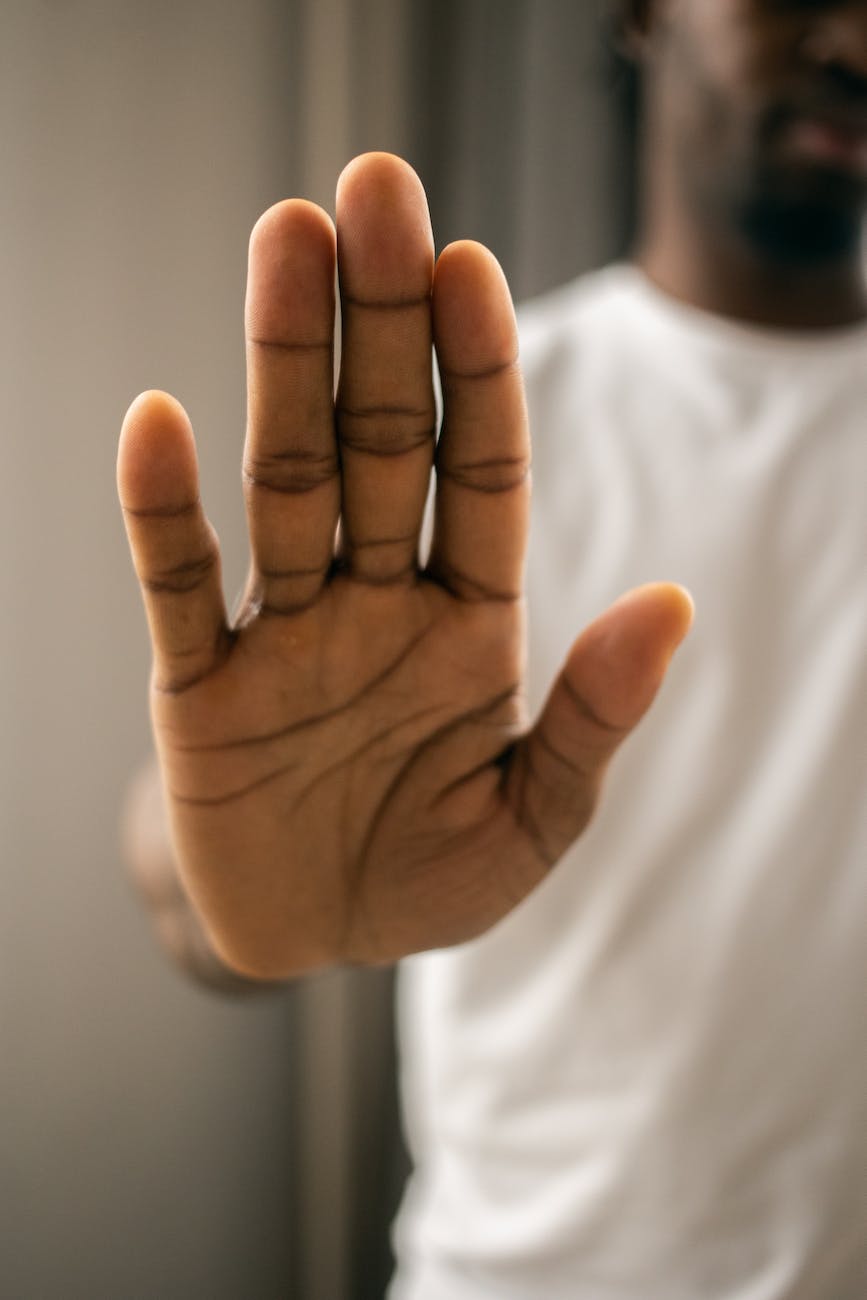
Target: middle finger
{"points": [[386, 413]]}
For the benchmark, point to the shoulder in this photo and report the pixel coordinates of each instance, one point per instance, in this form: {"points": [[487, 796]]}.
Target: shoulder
{"points": [[576, 344], [584, 316]]}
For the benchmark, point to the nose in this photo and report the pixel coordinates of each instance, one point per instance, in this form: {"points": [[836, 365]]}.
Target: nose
{"points": [[837, 42]]}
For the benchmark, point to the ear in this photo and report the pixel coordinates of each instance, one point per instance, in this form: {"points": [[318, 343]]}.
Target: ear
{"points": [[633, 20]]}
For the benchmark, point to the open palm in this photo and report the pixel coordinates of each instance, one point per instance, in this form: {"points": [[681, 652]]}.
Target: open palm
{"points": [[347, 768]]}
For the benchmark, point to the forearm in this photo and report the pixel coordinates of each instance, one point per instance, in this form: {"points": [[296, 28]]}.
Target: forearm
{"points": [[150, 858]]}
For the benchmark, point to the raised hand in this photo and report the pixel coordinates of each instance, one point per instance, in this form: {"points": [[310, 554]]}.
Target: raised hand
{"points": [[347, 768]]}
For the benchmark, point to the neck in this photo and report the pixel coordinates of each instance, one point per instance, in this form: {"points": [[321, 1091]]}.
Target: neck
{"points": [[715, 269]]}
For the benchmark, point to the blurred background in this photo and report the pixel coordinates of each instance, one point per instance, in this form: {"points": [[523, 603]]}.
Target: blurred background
{"points": [[154, 1140]]}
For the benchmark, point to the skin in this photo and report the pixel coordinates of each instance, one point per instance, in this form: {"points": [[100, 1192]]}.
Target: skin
{"points": [[741, 214], [347, 768]]}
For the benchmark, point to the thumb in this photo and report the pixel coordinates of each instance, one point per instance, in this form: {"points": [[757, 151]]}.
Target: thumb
{"points": [[607, 684]]}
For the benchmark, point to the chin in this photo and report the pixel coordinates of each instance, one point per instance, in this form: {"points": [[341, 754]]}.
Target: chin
{"points": [[820, 222]]}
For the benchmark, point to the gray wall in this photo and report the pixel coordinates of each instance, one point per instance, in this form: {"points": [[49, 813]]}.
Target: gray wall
{"points": [[144, 1127], [516, 127], [153, 1140]]}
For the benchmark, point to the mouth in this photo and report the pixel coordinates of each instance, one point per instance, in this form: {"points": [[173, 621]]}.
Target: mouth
{"points": [[836, 143]]}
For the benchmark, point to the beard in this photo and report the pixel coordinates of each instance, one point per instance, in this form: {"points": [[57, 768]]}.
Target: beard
{"points": [[798, 230], [794, 212], [791, 212]]}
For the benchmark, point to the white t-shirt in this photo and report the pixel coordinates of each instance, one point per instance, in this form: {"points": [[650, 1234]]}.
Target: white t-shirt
{"points": [[650, 1081]]}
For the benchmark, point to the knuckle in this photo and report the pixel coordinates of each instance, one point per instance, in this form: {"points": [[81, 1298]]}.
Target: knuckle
{"points": [[385, 430], [503, 474], [471, 589], [293, 472], [182, 578]]}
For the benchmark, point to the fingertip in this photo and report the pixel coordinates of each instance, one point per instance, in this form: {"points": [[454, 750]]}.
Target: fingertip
{"points": [[684, 605], [289, 219], [385, 240], [473, 315], [619, 662], [156, 463], [380, 169], [464, 256], [669, 604], [290, 275], [153, 407]]}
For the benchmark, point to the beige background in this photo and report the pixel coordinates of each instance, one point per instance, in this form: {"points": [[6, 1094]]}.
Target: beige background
{"points": [[153, 1140]]}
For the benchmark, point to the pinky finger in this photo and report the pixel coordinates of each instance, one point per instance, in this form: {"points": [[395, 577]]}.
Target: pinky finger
{"points": [[174, 548]]}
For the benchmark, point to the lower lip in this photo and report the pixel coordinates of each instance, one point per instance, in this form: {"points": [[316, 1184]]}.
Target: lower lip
{"points": [[830, 146]]}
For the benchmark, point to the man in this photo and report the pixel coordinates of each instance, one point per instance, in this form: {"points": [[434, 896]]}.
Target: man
{"points": [[642, 1074]]}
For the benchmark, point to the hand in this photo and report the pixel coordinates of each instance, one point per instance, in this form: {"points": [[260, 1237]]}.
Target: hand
{"points": [[148, 852], [347, 767]]}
